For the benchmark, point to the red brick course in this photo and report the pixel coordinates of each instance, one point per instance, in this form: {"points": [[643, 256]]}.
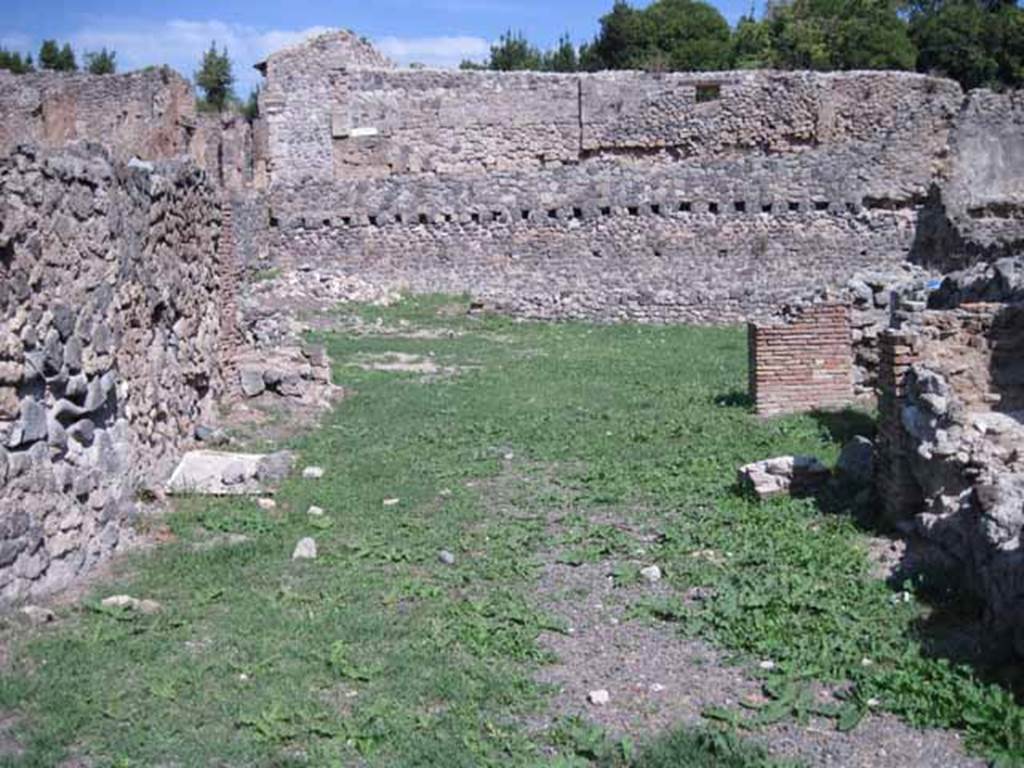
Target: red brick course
{"points": [[802, 363]]}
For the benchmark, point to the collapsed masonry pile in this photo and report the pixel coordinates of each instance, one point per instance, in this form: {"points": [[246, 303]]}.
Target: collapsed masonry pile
{"points": [[110, 333], [951, 430]]}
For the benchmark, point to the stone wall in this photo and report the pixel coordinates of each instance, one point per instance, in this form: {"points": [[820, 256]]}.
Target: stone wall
{"points": [[693, 197], [146, 114], [110, 299], [801, 362], [951, 422]]}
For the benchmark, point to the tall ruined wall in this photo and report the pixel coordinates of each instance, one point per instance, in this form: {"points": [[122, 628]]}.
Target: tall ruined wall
{"points": [[146, 114], [110, 297], [350, 122], [700, 197], [984, 201]]}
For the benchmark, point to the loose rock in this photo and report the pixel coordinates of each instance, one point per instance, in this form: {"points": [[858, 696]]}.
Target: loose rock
{"points": [[651, 574], [313, 473], [37, 615], [785, 475], [599, 698], [305, 550], [130, 603], [446, 557]]}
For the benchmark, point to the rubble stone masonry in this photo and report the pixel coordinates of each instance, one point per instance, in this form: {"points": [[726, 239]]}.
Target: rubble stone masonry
{"points": [[111, 299], [684, 197]]}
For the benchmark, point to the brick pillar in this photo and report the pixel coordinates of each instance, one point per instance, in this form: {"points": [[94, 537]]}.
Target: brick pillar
{"points": [[897, 489], [802, 364]]}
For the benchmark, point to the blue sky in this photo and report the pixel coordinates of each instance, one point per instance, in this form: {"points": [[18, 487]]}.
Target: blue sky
{"points": [[432, 32]]}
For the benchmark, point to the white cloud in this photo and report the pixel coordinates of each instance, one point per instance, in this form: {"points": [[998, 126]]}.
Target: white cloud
{"points": [[433, 51], [181, 44]]}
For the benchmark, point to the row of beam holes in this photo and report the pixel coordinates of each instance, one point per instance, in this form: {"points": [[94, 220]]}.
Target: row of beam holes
{"points": [[739, 206]]}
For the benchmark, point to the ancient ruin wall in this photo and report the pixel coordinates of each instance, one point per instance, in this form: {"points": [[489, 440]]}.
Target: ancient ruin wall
{"points": [[700, 197], [110, 298], [950, 431], [146, 114]]}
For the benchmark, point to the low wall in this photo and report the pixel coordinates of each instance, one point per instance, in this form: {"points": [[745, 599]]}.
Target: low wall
{"points": [[802, 362], [110, 299], [951, 422]]}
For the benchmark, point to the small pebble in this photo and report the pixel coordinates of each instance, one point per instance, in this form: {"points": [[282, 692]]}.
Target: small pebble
{"points": [[767, 665], [313, 473], [599, 698], [651, 574], [657, 688], [446, 557], [37, 615], [132, 604], [305, 550], [266, 504], [316, 512]]}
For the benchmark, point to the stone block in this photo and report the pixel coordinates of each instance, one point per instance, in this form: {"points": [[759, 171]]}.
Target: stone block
{"points": [[784, 476]]}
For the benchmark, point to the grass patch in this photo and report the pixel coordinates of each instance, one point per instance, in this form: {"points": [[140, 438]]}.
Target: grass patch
{"points": [[377, 653]]}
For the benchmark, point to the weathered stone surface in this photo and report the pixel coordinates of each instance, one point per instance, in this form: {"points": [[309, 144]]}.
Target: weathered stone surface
{"points": [[129, 603], [275, 467], [99, 264], [951, 425], [305, 550], [857, 460], [252, 382], [785, 475], [601, 195], [218, 473]]}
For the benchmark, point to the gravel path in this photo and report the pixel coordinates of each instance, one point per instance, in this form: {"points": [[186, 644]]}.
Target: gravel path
{"points": [[657, 680]]}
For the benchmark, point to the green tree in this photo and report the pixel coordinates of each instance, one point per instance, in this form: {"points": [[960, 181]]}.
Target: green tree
{"points": [[976, 43], [13, 62], [668, 34], [840, 34], [102, 63], [562, 58], [66, 59], [514, 52], [251, 108], [624, 41], [49, 55], [751, 44], [215, 79]]}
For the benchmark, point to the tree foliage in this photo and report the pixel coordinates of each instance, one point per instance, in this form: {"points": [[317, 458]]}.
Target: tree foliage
{"points": [[56, 58], [102, 63], [668, 34], [976, 43], [14, 62], [216, 79], [562, 58], [513, 52], [839, 35]]}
